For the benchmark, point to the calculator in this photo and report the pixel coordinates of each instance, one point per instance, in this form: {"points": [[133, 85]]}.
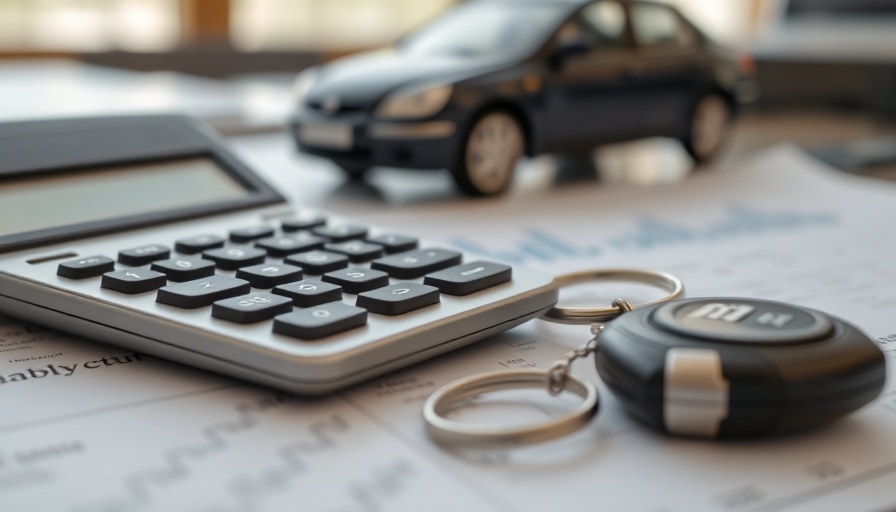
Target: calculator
{"points": [[149, 233]]}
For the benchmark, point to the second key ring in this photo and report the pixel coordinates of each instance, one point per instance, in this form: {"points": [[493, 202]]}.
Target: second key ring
{"points": [[567, 315]]}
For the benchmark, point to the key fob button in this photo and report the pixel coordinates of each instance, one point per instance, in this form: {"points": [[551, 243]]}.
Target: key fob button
{"points": [[739, 320]]}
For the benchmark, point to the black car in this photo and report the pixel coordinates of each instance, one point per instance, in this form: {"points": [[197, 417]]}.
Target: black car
{"points": [[493, 80]]}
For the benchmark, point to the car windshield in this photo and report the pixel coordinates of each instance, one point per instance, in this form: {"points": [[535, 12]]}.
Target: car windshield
{"points": [[486, 28]]}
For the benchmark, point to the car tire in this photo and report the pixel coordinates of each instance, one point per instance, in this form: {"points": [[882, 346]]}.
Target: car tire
{"points": [[489, 154], [707, 127]]}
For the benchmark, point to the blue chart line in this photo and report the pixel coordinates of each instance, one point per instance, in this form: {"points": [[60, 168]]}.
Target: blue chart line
{"points": [[651, 233], [177, 463]]}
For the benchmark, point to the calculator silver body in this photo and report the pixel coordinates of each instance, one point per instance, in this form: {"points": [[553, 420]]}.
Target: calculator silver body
{"points": [[31, 290]]}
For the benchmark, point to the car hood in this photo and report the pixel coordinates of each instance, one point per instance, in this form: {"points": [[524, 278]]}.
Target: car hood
{"points": [[361, 81]]}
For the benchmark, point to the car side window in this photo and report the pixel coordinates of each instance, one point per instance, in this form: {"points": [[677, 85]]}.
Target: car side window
{"points": [[605, 21], [658, 25], [597, 26]]}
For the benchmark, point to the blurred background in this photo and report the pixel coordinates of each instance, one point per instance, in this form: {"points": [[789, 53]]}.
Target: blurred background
{"points": [[826, 68]]}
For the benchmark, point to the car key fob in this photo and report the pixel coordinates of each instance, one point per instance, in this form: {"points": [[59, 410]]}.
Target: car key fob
{"points": [[737, 368]]}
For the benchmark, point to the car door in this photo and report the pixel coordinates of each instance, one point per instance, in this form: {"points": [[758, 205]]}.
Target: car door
{"points": [[667, 70], [587, 100]]}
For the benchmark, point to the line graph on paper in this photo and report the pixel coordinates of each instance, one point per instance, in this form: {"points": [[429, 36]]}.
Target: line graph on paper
{"points": [[649, 233], [247, 449]]}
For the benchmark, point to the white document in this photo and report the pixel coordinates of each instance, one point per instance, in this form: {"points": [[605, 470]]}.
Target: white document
{"points": [[87, 427]]}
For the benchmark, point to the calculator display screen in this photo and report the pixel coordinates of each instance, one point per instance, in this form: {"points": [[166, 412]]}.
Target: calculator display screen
{"points": [[48, 201]]}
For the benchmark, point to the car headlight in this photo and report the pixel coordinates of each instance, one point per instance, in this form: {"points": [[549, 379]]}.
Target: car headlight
{"points": [[303, 84], [414, 103]]}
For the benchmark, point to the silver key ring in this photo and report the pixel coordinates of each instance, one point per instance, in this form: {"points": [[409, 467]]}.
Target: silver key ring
{"points": [[662, 280], [447, 431], [554, 380]]}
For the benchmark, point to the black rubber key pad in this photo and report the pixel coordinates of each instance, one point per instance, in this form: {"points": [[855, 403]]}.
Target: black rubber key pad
{"points": [[232, 258], [137, 280], [469, 277], [305, 294], [245, 235], [357, 250], [143, 255], [202, 292], [248, 309], [318, 262], [357, 279], [413, 264], [394, 243], [340, 233], [398, 298], [269, 275], [285, 245], [301, 222], [82, 268], [197, 244], [180, 270], [320, 321]]}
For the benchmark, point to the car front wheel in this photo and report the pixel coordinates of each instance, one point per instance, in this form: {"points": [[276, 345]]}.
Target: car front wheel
{"points": [[708, 127], [490, 152]]}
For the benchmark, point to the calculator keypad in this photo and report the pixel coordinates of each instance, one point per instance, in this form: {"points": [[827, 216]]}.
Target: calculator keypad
{"points": [[82, 268], [320, 321], [318, 262], [132, 281], [307, 293], [246, 235], [418, 263], [357, 279], [199, 243], [258, 274], [251, 308], [143, 255], [285, 245], [201, 292], [269, 275], [398, 298], [181, 270], [469, 277], [232, 258]]}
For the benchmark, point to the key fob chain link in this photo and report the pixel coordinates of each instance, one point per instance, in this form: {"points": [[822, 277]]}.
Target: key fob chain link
{"points": [[723, 368]]}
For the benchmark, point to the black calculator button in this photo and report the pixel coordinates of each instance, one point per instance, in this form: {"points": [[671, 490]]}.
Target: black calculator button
{"points": [[394, 243], [248, 309], [180, 270], [245, 235], [201, 292], [318, 262], [232, 258], [305, 294], [281, 246], [320, 321], [413, 264], [340, 233], [197, 244], [469, 277], [398, 298], [302, 222], [137, 280], [82, 268], [269, 275], [143, 255], [357, 279], [357, 251]]}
